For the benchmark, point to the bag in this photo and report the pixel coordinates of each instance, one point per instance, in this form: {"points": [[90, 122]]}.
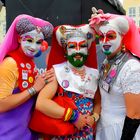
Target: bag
{"points": [[51, 126]]}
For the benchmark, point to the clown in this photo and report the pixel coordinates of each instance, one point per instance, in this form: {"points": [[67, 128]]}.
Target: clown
{"points": [[22, 43], [76, 80], [119, 77]]}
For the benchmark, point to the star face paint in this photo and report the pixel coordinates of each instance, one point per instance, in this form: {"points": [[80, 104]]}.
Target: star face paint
{"points": [[77, 51], [110, 39], [31, 42]]}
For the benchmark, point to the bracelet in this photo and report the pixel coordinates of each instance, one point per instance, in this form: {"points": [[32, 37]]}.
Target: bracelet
{"points": [[67, 114], [75, 116], [95, 117], [32, 91], [71, 115]]}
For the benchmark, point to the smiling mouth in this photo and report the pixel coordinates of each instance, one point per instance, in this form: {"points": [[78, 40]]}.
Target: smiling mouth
{"points": [[106, 47], [78, 57], [31, 50]]}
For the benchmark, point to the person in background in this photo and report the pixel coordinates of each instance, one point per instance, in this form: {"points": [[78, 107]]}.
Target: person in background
{"points": [[19, 81], [119, 81], [73, 49]]}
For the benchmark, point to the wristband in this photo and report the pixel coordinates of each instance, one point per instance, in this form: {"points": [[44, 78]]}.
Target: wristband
{"points": [[75, 116], [67, 114], [71, 115], [95, 117], [32, 91]]}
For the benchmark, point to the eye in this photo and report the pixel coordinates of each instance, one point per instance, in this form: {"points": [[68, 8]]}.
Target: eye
{"points": [[83, 46], [71, 46], [30, 40], [38, 42], [101, 37], [111, 36]]}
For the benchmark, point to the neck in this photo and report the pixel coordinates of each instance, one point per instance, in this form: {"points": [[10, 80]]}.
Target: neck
{"points": [[116, 54], [22, 54]]}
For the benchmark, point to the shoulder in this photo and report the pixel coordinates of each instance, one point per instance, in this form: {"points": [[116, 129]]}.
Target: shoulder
{"points": [[131, 65], [8, 62], [8, 66]]}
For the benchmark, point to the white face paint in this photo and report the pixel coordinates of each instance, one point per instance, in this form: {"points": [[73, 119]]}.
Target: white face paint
{"points": [[31, 42], [77, 45], [110, 39], [77, 51]]}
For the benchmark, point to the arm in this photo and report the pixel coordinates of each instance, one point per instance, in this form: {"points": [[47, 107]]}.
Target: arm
{"points": [[97, 102], [132, 119], [8, 79], [14, 100], [132, 102], [46, 105], [96, 110], [131, 90]]}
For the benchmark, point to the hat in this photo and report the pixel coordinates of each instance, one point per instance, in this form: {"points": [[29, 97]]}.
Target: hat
{"points": [[124, 25], [22, 24], [59, 41]]}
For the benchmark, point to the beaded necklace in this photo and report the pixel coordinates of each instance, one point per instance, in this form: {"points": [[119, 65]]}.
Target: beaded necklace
{"points": [[80, 72]]}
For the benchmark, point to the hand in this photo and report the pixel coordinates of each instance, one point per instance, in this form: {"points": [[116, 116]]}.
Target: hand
{"points": [[43, 79], [81, 122], [39, 83], [49, 75], [90, 120]]}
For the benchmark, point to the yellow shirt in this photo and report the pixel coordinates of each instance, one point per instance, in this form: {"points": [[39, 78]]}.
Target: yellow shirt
{"points": [[8, 77]]}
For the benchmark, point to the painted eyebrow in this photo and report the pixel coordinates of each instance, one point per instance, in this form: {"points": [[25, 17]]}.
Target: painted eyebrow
{"points": [[28, 36], [111, 31], [40, 39], [83, 41]]}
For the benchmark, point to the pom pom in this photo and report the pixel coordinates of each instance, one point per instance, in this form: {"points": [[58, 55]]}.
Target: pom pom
{"points": [[44, 46]]}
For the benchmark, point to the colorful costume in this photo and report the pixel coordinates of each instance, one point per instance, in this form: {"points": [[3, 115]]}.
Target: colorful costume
{"points": [[18, 72], [119, 74], [81, 87]]}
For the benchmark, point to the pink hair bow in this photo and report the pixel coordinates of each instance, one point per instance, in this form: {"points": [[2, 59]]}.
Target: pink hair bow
{"points": [[98, 17]]}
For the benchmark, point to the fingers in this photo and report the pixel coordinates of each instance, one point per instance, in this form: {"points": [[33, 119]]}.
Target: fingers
{"points": [[50, 71], [50, 79], [81, 122], [48, 74], [90, 121]]}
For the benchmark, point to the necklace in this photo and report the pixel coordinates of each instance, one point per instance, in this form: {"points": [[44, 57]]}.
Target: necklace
{"points": [[112, 64], [106, 68], [80, 72]]}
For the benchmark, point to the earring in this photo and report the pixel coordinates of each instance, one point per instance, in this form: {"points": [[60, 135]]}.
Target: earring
{"points": [[123, 48]]}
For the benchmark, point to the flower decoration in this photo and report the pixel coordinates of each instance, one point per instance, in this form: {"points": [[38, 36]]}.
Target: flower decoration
{"points": [[98, 17]]}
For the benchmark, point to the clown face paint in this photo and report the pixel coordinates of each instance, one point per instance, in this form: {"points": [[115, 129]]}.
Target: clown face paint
{"points": [[110, 39], [77, 51], [31, 42]]}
